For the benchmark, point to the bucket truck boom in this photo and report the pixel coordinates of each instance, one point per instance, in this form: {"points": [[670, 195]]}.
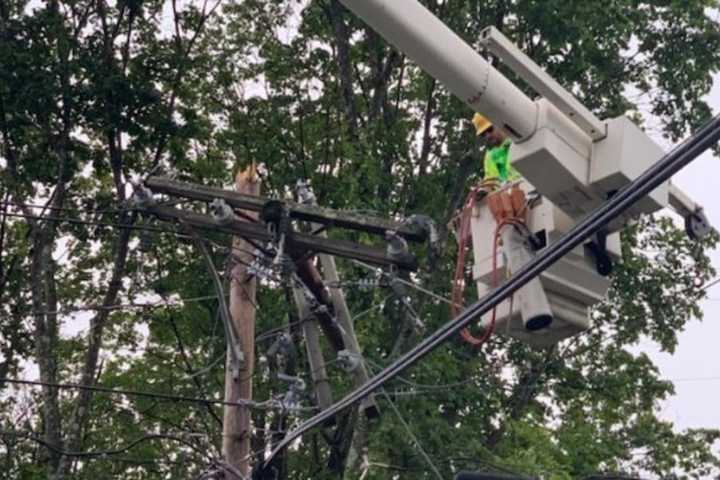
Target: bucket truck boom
{"points": [[574, 160]]}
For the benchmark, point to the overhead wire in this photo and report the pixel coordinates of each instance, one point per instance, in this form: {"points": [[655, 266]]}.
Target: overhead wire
{"points": [[645, 183], [230, 332], [63, 209], [101, 453], [148, 305], [710, 284], [427, 386], [124, 306], [79, 221], [409, 431], [405, 282], [267, 405]]}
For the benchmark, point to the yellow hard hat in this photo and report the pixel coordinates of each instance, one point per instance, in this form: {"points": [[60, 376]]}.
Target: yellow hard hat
{"points": [[481, 124]]}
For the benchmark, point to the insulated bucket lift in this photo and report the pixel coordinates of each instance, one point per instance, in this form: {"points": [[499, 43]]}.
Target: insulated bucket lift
{"points": [[568, 157]]}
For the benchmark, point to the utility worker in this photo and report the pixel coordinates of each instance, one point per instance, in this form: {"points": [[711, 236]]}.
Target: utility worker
{"points": [[497, 159]]}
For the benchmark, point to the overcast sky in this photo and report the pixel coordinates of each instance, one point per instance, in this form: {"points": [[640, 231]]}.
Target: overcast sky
{"points": [[695, 365]]}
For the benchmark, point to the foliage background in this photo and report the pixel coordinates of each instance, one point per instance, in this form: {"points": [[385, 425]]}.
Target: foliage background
{"points": [[94, 94]]}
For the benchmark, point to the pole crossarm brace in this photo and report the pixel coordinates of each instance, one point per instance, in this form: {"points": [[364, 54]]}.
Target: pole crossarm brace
{"points": [[297, 211], [303, 242]]}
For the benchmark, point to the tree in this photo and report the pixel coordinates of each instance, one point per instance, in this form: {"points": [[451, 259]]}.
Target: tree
{"points": [[94, 95]]}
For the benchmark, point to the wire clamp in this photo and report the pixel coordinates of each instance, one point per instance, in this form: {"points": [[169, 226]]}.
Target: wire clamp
{"points": [[348, 360], [142, 197], [221, 212]]}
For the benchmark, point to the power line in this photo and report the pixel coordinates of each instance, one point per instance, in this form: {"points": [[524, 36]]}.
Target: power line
{"points": [[405, 282], [163, 396], [231, 334], [63, 209], [694, 379], [124, 306], [409, 431], [80, 209], [426, 386], [709, 285], [149, 228], [100, 453], [653, 177], [79, 221]]}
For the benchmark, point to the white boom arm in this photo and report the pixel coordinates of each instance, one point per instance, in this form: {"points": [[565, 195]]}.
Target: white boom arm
{"points": [[440, 52], [497, 43]]}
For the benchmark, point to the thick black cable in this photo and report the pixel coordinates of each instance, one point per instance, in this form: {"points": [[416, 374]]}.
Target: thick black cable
{"points": [[653, 177]]}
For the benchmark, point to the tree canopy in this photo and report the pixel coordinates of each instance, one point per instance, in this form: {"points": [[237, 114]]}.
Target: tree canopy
{"points": [[95, 95]]}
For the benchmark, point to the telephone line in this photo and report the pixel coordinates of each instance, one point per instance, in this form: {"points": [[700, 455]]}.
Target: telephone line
{"points": [[117, 391], [99, 453]]}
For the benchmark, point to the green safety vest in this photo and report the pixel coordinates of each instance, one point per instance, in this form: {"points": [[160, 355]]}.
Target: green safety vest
{"points": [[497, 163]]}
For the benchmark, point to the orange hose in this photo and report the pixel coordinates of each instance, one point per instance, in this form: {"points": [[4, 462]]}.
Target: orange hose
{"points": [[458, 278]]}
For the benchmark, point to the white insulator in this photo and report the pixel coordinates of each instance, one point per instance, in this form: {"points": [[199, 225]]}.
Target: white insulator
{"points": [[349, 361], [221, 211]]}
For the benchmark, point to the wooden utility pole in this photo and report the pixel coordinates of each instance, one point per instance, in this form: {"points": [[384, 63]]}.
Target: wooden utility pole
{"points": [[360, 374], [318, 373], [337, 298], [238, 383]]}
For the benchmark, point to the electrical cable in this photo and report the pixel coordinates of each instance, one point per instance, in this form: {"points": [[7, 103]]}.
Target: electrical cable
{"points": [[135, 393], [93, 211], [710, 284], [149, 228], [124, 306], [62, 209], [79, 221], [404, 282], [409, 431], [99, 453], [231, 334], [653, 177], [425, 385]]}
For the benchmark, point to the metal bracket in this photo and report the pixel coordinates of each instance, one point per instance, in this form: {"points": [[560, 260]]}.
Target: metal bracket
{"points": [[281, 353], [598, 250], [305, 194], [277, 216], [142, 197], [291, 400], [397, 246], [349, 361], [426, 224], [221, 211]]}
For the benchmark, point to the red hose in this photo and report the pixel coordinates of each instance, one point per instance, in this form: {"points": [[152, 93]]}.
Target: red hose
{"points": [[458, 286]]}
